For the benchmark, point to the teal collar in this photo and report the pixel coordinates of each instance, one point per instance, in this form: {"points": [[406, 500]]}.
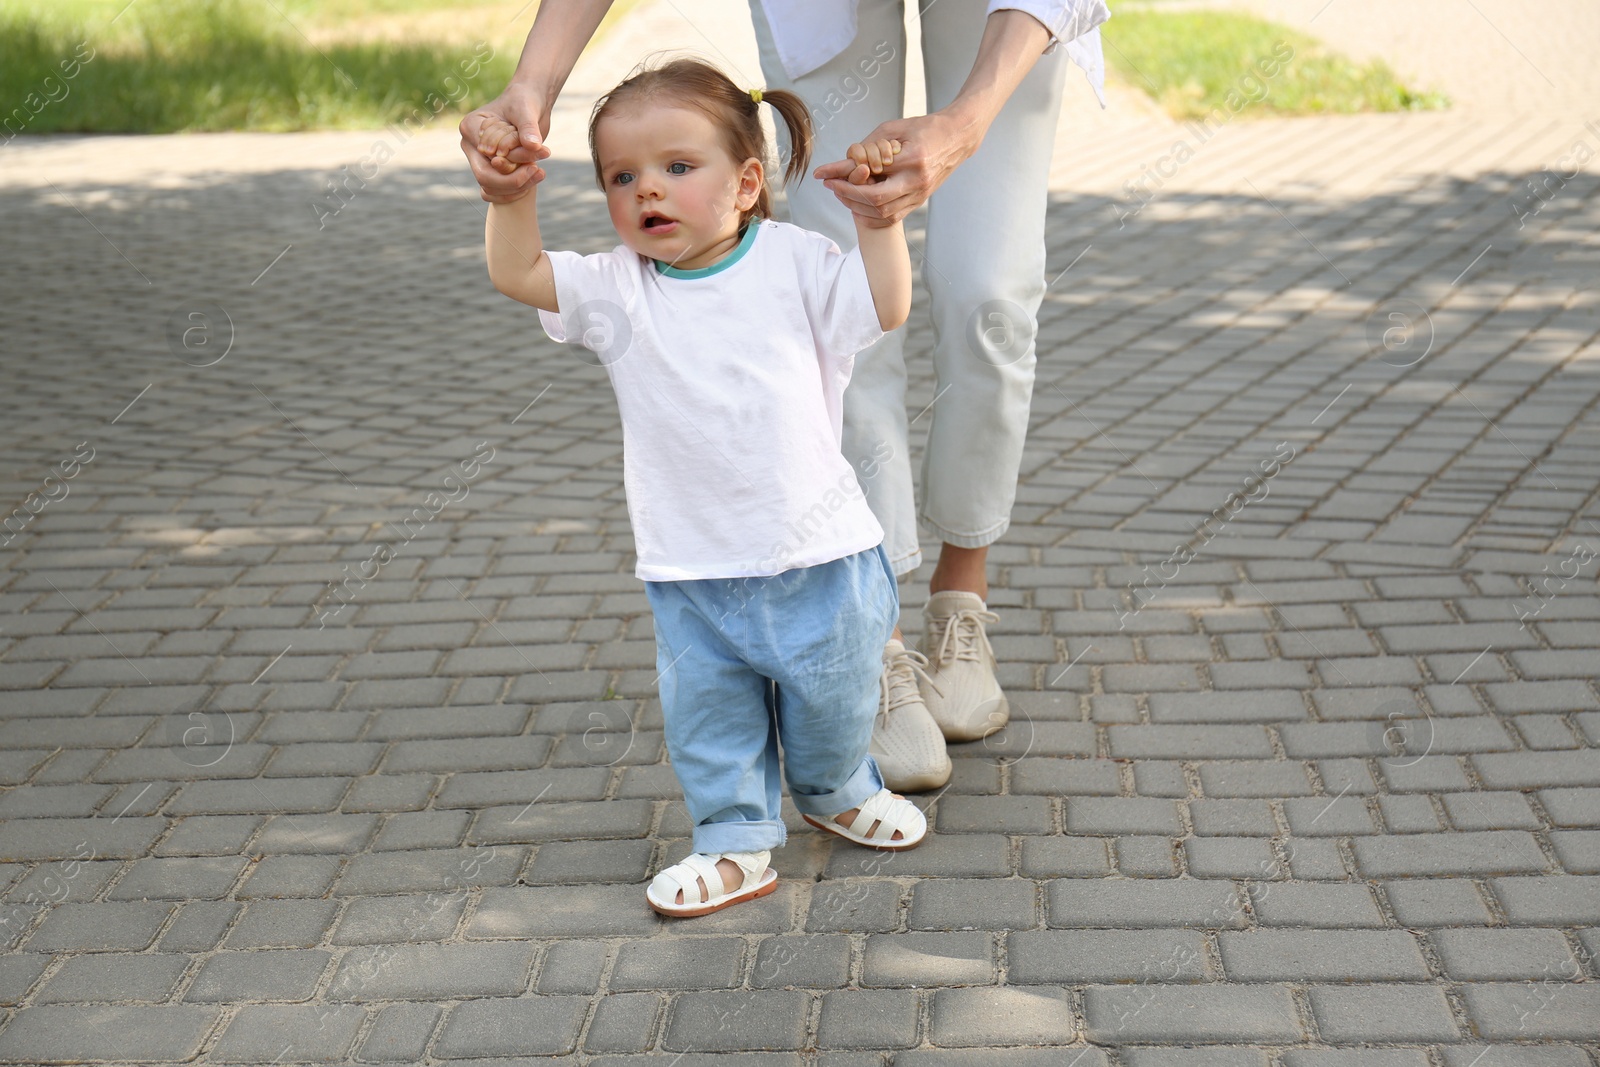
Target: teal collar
{"points": [[722, 264]]}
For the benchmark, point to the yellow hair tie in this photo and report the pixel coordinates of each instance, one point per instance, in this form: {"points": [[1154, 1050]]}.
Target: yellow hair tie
{"points": [[755, 94]]}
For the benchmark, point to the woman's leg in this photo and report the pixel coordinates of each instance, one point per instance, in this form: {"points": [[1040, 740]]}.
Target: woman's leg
{"points": [[848, 96], [984, 271]]}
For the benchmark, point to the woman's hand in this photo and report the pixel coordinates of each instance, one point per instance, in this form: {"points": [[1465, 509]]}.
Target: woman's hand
{"points": [[507, 169], [932, 147]]}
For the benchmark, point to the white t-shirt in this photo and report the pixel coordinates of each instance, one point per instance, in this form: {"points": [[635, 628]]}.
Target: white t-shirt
{"points": [[730, 380]]}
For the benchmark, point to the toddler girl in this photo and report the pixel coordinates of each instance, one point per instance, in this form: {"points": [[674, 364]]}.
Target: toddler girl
{"points": [[729, 338]]}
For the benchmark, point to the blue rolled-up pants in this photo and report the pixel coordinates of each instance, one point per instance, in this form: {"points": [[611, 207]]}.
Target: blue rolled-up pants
{"points": [[749, 665]]}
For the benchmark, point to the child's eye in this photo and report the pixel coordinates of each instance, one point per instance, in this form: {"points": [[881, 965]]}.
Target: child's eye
{"points": [[623, 178], [685, 167]]}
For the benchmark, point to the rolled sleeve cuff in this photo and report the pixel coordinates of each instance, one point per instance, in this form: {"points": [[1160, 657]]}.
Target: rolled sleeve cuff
{"points": [[1074, 24]]}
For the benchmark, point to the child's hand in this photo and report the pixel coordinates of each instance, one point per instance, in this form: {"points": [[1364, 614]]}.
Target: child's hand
{"points": [[871, 157], [496, 139]]}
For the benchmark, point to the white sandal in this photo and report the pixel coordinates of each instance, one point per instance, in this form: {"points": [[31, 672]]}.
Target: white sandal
{"points": [[891, 813], [685, 876]]}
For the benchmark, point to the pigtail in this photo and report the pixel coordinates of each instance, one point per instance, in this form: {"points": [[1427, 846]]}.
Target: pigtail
{"points": [[797, 118]]}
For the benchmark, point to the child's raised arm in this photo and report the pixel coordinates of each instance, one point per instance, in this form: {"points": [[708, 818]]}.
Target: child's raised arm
{"points": [[883, 248], [518, 266]]}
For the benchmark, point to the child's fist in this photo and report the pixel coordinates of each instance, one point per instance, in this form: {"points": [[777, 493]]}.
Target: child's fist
{"points": [[496, 139], [871, 157]]}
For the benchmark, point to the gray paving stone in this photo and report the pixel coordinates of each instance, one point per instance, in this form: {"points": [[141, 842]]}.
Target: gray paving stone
{"points": [[1066, 777], [1572, 900], [1514, 1056], [854, 905], [1254, 778], [1312, 905], [117, 977], [283, 924], [1074, 957], [1064, 857], [624, 1022], [803, 960], [199, 925], [1217, 1056], [99, 927], [1122, 902], [1122, 815], [1538, 770], [1366, 1057], [154, 1033], [1426, 902], [389, 792], [1010, 815], [929, 959], [561, 911], [270, 974], [736, 1021], [402, 917], [268, 795], [290, 876], [1488, 852], [1232, 818], [1203, 1014], [422, 972], [196, 878], [274, 1034], [209, 835], [422, 829], [868, 1019], [572, 967], [1513, 1011], [511, 1026], [1051, 1056], [1189, 742], [967, 904], [1321, 955], [1230, 857], [1031, 1015], [442, 870], [1478, 955], [575, 862], [400, 1034], [1145, 857], [700, 963], [1578, 850], [1357, 1014], [1336, 816]]}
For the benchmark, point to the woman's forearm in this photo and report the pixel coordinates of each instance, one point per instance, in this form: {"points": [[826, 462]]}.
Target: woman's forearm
{"points": [[1012, 42], [560, 31]]}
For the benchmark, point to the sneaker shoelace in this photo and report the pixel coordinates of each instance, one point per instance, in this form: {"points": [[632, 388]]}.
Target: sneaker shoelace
{"points": [[964, 636], [898, 682]]}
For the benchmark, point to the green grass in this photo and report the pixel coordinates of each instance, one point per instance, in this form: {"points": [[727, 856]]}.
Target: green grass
{"points": [[1195, 62], [170, 65]]}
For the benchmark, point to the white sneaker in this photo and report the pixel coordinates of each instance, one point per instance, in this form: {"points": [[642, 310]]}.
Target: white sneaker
{"points": [[965, 698], [906, 743]]}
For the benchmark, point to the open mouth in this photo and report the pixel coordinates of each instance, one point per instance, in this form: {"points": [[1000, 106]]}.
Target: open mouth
{"points": [[655, 225]]}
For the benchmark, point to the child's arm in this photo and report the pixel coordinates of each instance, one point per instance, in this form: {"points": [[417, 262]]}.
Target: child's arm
{"points": [[883, 248], [518, 266]]}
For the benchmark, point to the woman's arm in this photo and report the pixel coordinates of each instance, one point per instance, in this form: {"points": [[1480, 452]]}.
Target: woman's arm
{"points": [[936, 144], [560, 31], [518, 266]]}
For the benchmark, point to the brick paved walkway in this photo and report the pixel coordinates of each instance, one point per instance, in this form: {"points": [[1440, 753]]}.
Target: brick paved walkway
{"points": [[1316, 798]]}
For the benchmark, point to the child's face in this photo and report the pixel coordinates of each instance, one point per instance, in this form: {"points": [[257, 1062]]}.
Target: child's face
{"points": [[673, 192]]}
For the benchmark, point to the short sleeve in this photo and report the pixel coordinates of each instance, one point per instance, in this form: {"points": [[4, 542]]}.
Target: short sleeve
{"points": [[843, 315], [594, 294]]}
